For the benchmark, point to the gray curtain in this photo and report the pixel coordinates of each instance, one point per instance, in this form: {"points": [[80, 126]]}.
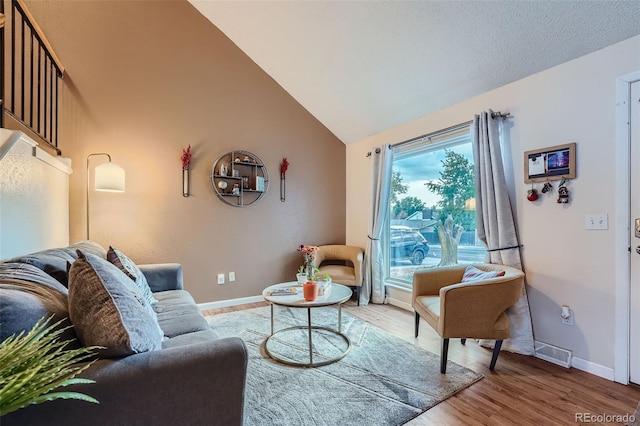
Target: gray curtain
{"points": [[496, 225], [373, 285]]}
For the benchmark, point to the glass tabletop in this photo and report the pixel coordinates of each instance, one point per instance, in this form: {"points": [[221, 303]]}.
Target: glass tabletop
{"points": [[338, 294]]}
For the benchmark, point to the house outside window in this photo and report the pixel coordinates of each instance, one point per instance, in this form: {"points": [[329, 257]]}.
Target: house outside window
{"points": [[432, 220]]}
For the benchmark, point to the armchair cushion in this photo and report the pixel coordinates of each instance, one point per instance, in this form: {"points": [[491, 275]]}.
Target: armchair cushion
{"points": [[339, 274], [343, 263]]}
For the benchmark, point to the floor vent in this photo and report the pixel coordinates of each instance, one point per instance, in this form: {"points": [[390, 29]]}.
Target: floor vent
{"points": [[553, 354]]}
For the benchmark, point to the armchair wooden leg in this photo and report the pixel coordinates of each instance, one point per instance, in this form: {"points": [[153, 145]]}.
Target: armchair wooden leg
{"points": [[443, 357], [496, 352], [358, 295], [417, 323]]}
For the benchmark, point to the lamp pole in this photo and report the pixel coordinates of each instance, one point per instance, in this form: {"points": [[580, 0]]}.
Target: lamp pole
{"points": [[88, 179]]}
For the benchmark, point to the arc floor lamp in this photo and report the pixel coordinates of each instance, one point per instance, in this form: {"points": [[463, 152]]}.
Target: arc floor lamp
{"points": [[108, 177]]}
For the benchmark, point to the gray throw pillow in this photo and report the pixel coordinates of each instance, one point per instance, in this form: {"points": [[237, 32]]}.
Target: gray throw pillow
{"points": [[27, 272], [108, 310], [53, 262], [23, 304], [472, 274], [88, 246], [127, 266]]}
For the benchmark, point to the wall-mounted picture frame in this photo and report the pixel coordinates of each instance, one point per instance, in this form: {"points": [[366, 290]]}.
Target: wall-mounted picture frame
{"points": [[553, 163]]}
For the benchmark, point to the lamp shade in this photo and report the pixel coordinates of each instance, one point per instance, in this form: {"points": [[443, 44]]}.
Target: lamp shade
{"points": [[109, 177]]}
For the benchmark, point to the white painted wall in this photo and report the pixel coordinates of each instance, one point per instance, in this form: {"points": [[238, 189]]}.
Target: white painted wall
{"points": [[564, 262], [34, 197]]}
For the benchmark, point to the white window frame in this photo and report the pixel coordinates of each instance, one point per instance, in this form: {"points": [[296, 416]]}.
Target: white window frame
{"points": [[440, 140]]}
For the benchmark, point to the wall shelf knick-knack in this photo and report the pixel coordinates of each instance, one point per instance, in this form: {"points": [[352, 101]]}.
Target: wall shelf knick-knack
{"points": [[239, 178]]}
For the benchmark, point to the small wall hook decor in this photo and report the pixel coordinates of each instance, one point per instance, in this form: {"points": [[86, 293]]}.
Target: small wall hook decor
{"points": [[563, 195], [547, 187], [186, 162], [532, 194], [283, 171]]}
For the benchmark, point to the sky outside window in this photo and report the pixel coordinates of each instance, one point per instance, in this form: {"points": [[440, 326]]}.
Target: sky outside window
{"points": [[416, 170]]}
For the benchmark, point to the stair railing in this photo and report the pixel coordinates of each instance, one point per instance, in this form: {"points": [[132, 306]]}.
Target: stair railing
{"points": [[32, 97]]}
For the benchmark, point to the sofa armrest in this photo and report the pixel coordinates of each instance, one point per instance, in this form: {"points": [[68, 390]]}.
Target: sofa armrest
{"points": [[163, 276], [197, 384]]}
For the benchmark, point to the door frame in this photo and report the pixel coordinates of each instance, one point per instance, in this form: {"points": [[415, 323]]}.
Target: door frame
{"points": [[622, 243]]}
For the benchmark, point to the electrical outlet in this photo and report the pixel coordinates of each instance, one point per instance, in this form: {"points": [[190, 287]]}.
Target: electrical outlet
{"points": [[220, 278], [232, 276], [568, 321]]}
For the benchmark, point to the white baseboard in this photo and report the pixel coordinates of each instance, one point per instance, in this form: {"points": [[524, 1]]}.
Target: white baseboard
{"points": [[592, 368], [230, 302]]}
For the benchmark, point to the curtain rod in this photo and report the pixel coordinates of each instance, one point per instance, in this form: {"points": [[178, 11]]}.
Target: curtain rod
{"points": [[500, 114], [494, 115]]}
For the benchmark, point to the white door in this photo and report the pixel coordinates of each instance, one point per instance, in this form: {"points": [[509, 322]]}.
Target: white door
{"points": [[634, 326]]}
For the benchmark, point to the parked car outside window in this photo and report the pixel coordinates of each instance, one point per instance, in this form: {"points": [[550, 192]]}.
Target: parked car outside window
{"points": [[408, 244]]}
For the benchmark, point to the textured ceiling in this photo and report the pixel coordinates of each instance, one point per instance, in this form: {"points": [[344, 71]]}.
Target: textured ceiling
{"points": [[361, 67]]}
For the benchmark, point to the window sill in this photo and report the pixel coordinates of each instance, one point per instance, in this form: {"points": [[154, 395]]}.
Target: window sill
{"points": [[398, 295], [398, 285]]}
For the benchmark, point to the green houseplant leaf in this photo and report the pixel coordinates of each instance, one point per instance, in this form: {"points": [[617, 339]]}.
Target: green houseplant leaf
{"points": [[33, 364]]}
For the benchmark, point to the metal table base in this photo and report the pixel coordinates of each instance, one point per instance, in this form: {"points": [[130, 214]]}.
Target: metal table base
{"points": [[309, 329]]}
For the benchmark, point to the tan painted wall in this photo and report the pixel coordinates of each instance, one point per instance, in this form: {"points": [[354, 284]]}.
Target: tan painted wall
{"points": [[565, 264], [144, 80]]}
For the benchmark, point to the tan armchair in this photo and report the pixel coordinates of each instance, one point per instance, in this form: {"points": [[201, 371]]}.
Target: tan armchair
{"points": [[466, 310], [343, 264]]}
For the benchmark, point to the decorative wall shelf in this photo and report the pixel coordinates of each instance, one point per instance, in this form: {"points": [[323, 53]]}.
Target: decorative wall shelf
{"points": [[239, 178]]}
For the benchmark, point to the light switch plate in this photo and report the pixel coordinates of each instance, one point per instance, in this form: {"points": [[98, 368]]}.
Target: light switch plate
{"points": [[597, 221], [220, 278]]}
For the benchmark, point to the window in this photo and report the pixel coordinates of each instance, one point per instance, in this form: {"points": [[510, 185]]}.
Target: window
{"points": [[432, 180]]}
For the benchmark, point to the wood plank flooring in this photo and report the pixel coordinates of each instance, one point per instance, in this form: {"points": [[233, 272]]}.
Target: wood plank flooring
{"points": [[522, 390]]}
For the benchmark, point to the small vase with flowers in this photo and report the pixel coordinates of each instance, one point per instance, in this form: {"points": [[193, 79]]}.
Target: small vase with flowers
{"points": [[310, 287]]}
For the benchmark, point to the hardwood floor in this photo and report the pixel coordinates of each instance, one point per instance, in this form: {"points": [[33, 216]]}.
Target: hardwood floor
{"points": [[522, 390]]}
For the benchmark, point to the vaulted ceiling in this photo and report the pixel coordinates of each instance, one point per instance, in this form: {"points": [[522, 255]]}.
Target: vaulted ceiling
{"points": [[361, 67]]}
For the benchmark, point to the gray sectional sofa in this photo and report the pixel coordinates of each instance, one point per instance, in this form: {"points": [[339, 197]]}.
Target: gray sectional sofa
{"points": [[171, 370]]}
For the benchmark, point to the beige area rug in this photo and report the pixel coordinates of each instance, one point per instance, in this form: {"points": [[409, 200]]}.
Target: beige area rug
{"points": [[383, 380]]}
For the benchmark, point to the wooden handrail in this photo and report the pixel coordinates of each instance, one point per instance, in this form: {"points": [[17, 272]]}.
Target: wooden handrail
{"points": [[41, 35]]}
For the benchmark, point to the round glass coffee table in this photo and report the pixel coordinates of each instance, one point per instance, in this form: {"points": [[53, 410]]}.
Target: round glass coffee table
{"points": [[337, 296]]}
